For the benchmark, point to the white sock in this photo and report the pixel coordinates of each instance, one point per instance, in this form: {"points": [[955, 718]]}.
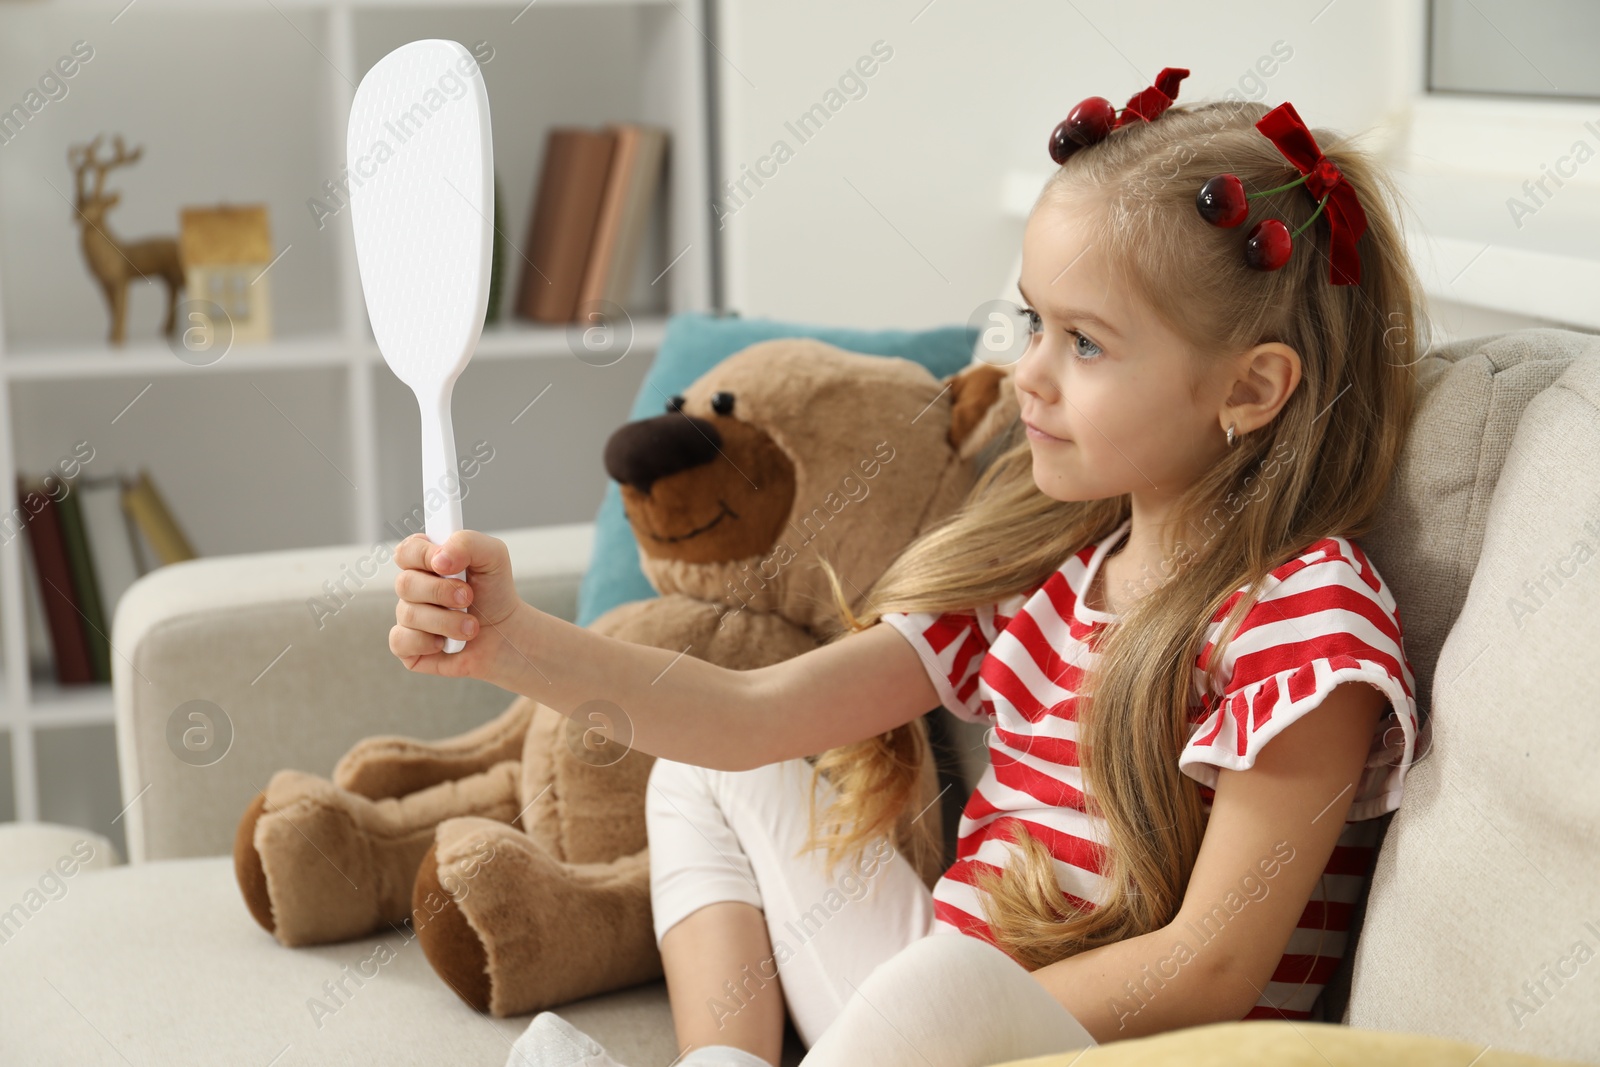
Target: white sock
{"points": [[722, 1056], [551, 1041]]}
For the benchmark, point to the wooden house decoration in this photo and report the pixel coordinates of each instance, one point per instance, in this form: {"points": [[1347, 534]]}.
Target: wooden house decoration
{"points": [[225, 251]]}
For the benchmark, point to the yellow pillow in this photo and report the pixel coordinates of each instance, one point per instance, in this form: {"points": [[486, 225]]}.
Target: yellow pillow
{"points": [[1280, 1043]]}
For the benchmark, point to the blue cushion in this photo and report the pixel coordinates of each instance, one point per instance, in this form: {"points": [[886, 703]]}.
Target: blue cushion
{"points": [[692, 344]]}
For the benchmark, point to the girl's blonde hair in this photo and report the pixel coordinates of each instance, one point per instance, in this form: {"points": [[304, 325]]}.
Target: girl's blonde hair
{"points": [[1319, 469]]}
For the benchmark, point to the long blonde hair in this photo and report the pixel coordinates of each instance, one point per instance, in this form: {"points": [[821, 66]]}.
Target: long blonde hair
{"points": [[1319, 469]]}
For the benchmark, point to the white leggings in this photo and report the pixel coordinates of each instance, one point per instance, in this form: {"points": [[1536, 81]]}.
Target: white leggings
{"points": [[863, 973]]}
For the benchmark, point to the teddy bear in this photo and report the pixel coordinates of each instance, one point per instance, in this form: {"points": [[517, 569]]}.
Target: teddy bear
{"points": [[517, 849]]}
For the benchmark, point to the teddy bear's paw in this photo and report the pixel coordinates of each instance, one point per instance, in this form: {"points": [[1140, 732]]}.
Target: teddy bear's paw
{"points": [[448, 940], [304, 865], [316, 864], [512, 929], [247, 867]]}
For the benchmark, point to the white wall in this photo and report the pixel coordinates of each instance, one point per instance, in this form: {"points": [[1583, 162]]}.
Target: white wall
{"points": [[890, 214]]}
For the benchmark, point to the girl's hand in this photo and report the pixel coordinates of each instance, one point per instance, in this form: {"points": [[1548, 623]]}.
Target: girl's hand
{"points": [[424, 614]]}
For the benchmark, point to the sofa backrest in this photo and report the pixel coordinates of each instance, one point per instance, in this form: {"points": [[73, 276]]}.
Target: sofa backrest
{"points": [[1482, 919], [1473, 395]]}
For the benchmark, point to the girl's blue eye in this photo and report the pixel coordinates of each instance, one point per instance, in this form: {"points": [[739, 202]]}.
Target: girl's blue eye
{"points": [[1035, 322]]}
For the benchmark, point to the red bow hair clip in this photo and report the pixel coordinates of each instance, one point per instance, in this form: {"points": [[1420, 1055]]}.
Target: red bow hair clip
{"points": [[1093, 118], [1222, 202]]}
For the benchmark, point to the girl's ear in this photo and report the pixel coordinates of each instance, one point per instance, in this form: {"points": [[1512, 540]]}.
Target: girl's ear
{"points": [[983, 404]]}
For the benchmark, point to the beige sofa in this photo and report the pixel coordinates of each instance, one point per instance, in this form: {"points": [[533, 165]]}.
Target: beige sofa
{"points": [[1482, 924]]}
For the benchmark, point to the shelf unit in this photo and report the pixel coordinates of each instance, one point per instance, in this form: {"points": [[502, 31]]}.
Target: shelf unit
{"points": [[307, 439]]}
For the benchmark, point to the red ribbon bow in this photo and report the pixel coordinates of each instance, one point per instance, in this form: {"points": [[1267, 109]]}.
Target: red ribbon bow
{"points": [[1346, 220], [1148, 104]]}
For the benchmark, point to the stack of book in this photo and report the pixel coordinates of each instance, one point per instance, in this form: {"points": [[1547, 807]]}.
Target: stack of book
{"points": [[90, 538], [590, 212]]}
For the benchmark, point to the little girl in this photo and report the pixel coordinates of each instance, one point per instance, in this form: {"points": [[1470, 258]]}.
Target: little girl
{"points": [[1154, 580]]}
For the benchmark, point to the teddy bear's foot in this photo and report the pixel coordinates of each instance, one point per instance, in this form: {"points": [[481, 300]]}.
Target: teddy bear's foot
{"points": [[316, 863], [378, 767], [513, 930]]}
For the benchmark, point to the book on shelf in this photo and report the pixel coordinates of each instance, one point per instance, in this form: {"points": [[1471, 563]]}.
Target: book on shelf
{"points": [[40, 656], [85, 585], [88, 540], [591, 209], [61, 604], [154, 520], [631, 184], [113, 543]]}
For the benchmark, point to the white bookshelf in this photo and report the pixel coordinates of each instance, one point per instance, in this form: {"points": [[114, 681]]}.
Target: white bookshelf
{"points": [[307, 439]]}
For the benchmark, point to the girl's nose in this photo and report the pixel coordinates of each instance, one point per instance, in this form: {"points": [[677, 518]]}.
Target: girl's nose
{"points": [[1031, 375]]}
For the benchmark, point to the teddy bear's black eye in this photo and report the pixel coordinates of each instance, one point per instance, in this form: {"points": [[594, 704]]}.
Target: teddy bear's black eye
{"points": [[674, 404], [722, 403]]}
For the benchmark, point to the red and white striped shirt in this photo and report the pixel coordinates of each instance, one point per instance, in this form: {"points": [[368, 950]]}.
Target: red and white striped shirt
{"points": [[1323, 618]]}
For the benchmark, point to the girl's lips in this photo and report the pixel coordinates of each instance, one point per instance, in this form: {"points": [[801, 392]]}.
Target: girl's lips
{"points": [[1036, 434]]}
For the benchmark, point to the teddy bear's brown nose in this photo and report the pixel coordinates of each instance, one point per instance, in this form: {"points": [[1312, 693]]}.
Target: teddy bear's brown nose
{"points": [[643, 452]]}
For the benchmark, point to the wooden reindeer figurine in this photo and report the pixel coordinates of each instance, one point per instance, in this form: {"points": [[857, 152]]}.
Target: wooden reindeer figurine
{"points": [[115, 262]]}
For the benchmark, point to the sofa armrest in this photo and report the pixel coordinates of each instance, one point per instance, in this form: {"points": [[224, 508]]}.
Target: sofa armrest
{"points": [[229, 668]]}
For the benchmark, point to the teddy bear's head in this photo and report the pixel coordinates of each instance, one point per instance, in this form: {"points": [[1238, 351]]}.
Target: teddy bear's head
{"points": [[793, 449]]}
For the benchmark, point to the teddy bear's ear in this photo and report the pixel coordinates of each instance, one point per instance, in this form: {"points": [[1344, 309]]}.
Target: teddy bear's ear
{"points": [[983, 404]]}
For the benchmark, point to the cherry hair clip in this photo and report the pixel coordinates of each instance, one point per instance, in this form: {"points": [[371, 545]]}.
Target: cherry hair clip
{"points": [[1092, 119], [1222, 201]]}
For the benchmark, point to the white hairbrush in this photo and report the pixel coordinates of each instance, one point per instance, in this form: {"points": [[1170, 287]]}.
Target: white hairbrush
{"points": [[421, 165]]}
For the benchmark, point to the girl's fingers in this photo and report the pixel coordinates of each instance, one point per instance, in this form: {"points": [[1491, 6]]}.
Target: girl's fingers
{"points": [[464, 549], [431, 605], [424, 588], [404, 641], [432, 619], [413, 552]]}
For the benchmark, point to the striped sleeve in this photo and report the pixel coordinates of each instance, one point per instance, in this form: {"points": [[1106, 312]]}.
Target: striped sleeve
{"points": [[1329, 621], [952, 646]]}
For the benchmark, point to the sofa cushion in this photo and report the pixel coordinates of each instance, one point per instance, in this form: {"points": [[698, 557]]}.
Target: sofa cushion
{"points": [[1426, 542], [1483, 916], [1281, 1043], [161, 963], [30, 848], [693, 343], [1426, 539]]}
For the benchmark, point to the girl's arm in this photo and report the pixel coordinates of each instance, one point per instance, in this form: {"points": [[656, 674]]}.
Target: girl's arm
{"points": [[1270, 835], [671, 704], [692, 711]]}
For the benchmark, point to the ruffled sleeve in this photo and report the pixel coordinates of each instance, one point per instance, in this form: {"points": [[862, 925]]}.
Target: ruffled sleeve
{"points": [[952, 646], [1323, 623]]}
